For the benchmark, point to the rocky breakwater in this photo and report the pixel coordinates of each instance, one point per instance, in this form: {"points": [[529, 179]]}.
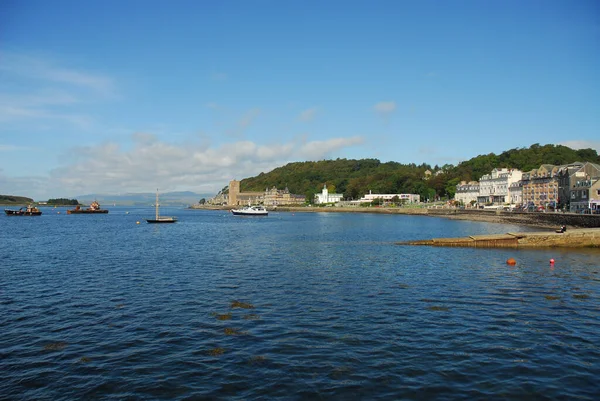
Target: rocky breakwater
{"points": [[575, 238]]}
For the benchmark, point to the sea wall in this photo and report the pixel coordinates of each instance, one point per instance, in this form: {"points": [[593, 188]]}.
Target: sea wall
{"points": [[576, 238], [550, 220], [533, 218]]}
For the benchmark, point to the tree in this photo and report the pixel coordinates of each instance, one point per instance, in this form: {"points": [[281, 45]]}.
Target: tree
{"points": [[202, 201]]}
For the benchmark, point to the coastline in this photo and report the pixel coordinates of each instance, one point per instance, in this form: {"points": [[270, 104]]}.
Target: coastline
{"points": [[534, 219]]}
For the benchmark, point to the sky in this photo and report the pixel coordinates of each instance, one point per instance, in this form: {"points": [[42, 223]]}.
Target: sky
{"points": [[117, 96]]}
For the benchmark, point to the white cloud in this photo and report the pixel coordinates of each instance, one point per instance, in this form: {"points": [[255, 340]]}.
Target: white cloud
{"points": [[151, 163], [44, 70], [385, 108], [308, 114], [582, 144], [41, 91]]}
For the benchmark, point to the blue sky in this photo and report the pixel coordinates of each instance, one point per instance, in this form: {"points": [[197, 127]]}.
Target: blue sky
{"points": [[127, 96]]}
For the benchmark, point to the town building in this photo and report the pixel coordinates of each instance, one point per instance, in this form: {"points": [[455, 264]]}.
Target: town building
{"points": [[540, 186], [585, 192], [494, 187], [466, 193], [237, 198], [326, 197], [515, 193], [566, 180], [276, 197], [403, 198]]}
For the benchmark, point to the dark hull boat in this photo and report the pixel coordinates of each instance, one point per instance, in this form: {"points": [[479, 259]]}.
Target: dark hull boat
{"points": [[158, 218], [27, 212], [86, 211], [93, 209]]}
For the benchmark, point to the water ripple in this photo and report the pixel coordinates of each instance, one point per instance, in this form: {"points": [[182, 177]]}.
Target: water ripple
{"points": [[294, 306]]}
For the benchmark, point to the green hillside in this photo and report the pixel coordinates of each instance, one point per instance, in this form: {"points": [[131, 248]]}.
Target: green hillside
{"points": [[354, 178], [14, 200]]}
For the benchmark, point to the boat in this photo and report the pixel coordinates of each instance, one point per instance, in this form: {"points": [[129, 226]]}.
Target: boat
{"points": [[158, 218], [93, 209], [250, 210], [29, 211]]}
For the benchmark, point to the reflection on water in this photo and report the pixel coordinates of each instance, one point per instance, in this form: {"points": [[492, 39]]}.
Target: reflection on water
{"points": [[304, 305]]}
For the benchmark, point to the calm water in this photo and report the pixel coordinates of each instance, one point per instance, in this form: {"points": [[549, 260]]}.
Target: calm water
{"points": [[291, 306]]}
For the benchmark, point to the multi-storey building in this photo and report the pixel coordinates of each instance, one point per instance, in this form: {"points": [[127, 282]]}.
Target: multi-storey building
{"points": [[515, 193], [566, 180], [540, 186], [276, 197], [404, 198], [466, 193], [494, 187], [585, 191]]}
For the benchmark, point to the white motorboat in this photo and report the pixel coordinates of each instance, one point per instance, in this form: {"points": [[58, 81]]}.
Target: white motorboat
{"points": [[250, 211]]}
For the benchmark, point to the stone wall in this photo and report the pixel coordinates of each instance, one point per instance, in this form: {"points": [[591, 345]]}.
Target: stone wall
{"points": [[550, 219]]}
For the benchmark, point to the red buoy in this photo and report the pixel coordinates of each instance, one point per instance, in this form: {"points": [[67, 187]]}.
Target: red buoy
{"points": [[511, 261]]}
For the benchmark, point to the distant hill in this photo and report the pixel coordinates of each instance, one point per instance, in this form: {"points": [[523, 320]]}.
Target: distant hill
{"points": [[354, 178], [182, 198], [14, 200]]}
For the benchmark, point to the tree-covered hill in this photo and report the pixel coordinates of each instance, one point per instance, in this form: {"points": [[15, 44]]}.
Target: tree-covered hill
{"points": [[354, 178], [14, 200]]}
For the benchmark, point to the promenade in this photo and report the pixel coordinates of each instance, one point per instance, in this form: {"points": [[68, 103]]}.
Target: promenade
{"points": [[550, 220]]}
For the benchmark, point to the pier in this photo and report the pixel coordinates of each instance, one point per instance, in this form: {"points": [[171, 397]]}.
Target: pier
{"points": [[575, 238]]}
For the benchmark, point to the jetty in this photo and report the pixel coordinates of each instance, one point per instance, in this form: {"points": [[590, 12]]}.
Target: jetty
{"points": [[572, 238]]}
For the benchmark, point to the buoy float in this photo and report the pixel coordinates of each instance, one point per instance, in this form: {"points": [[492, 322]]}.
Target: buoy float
{"points": [[511, 261], [551, 261], [137, 222]]}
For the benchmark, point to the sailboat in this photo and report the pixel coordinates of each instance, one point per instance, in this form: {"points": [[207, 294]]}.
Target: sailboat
{"points": [[158, 218]]}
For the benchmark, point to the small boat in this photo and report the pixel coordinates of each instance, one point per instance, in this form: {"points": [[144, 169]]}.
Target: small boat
{"points": [[161, 219], [93, 209], [250, 211], [29, 211]]}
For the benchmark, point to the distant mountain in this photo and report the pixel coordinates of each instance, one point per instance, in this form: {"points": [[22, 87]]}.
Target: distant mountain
{"points": [[181, 198]]}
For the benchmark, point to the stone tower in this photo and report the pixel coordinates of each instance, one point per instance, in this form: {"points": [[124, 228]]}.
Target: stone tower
{"points": [[234, 190]]}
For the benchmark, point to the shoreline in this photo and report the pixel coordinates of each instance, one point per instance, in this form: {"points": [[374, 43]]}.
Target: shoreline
{"points": [[576, 238], [533, 219]]}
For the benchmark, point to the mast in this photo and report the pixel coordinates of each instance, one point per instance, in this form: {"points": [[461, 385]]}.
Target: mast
{"points": [[156, 203]]}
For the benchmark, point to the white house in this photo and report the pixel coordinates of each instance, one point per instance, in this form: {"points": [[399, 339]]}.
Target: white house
{"points": [[407, 198], [467, 192], [326, 197], [494, 187]]}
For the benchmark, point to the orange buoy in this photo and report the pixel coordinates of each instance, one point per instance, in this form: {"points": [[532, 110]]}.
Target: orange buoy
{"points": [[511, 261]]}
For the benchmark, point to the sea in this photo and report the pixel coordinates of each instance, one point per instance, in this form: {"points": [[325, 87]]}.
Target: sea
{"points": [[292, 306]]}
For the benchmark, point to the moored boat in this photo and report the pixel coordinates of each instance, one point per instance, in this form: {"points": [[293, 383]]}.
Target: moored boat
{"points": [[250, 211], [28, 211], [158, 218], [94, 208]]}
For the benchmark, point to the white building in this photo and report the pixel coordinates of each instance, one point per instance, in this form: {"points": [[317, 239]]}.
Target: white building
{"points": [[494, 187], [326, 197], [467, 192], [406, 198]]}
